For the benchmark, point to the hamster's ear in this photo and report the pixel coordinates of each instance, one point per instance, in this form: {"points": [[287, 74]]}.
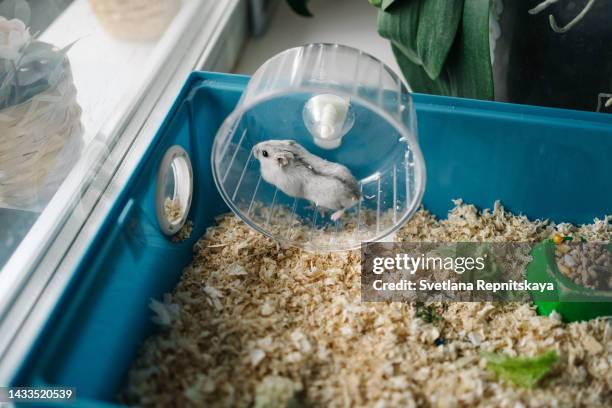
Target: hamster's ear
{"points": [[283, 158]]}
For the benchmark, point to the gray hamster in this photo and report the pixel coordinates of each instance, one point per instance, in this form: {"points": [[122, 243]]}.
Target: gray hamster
{"points": [[299, 173]]}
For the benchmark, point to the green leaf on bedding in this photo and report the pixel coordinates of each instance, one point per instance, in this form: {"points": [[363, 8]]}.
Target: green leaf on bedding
{"points": [[524, 372]]}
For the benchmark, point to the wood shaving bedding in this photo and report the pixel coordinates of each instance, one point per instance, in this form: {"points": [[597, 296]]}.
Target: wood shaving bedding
{"points": [[255, 324], [184, 233], [173, 209], [586, 264]]}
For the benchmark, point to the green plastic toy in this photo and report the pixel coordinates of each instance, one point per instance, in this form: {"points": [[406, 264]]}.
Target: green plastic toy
{"points": [[569, 296]]}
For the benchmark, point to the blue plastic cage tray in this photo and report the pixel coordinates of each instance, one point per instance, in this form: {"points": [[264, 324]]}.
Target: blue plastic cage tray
{"points": [[544, 163]]}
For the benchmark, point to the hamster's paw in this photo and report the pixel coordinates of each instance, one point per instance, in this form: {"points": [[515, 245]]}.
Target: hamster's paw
{"points": [[336, 216]]}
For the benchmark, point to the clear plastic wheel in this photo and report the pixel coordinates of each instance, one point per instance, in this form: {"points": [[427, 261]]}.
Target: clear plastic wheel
{"points": [[321, 152]]}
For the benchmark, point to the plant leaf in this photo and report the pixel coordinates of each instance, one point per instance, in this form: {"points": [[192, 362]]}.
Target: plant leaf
{"points": [[522, 371], [438, 24], [385, 4], [417, 78], [40, 67], [470, 70], [466, 72], [37, 51], [375, 3], [401, 25], [6, 88], [33, 90], [300, 7]]}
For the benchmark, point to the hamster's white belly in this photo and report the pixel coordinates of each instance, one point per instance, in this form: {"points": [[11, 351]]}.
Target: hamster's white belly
{"points": [[290, 186]]}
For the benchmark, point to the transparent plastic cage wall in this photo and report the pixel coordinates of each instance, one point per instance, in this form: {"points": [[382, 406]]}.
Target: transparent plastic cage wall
{"points": [[374, 136]]}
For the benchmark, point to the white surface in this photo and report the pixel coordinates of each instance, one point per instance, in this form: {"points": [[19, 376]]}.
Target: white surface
{"points": [[348, 22], [106, 70]]}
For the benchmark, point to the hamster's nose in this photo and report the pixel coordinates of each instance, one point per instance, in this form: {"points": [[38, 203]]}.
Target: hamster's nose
{"points": [[255, 151]]}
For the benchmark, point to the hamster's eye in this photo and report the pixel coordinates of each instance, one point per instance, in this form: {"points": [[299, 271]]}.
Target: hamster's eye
{"points": [[264, 153]]}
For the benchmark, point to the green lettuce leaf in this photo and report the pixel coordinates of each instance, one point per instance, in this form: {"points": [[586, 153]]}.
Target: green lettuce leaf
{"points": [[524, 372]]}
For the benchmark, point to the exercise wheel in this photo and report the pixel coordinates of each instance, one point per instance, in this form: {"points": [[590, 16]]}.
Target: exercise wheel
{"points": [[338, 104]]}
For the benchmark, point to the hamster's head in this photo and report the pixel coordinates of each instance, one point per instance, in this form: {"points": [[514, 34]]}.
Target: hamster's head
{"points": [[275, 153]]}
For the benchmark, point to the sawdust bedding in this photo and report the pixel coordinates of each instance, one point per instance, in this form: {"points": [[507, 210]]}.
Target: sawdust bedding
{"points": [[255, 324]]}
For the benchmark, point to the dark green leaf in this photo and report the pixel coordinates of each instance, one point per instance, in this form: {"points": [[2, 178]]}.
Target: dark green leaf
{"points": [[417, 78], [33, 90], [48, 69], [466, 72], [469, 69], [300, 7], [438, 24], [38, 51], [40, 67], [385, 4], [32, 73], [6, 87], [522, 371], [401, 26]]}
